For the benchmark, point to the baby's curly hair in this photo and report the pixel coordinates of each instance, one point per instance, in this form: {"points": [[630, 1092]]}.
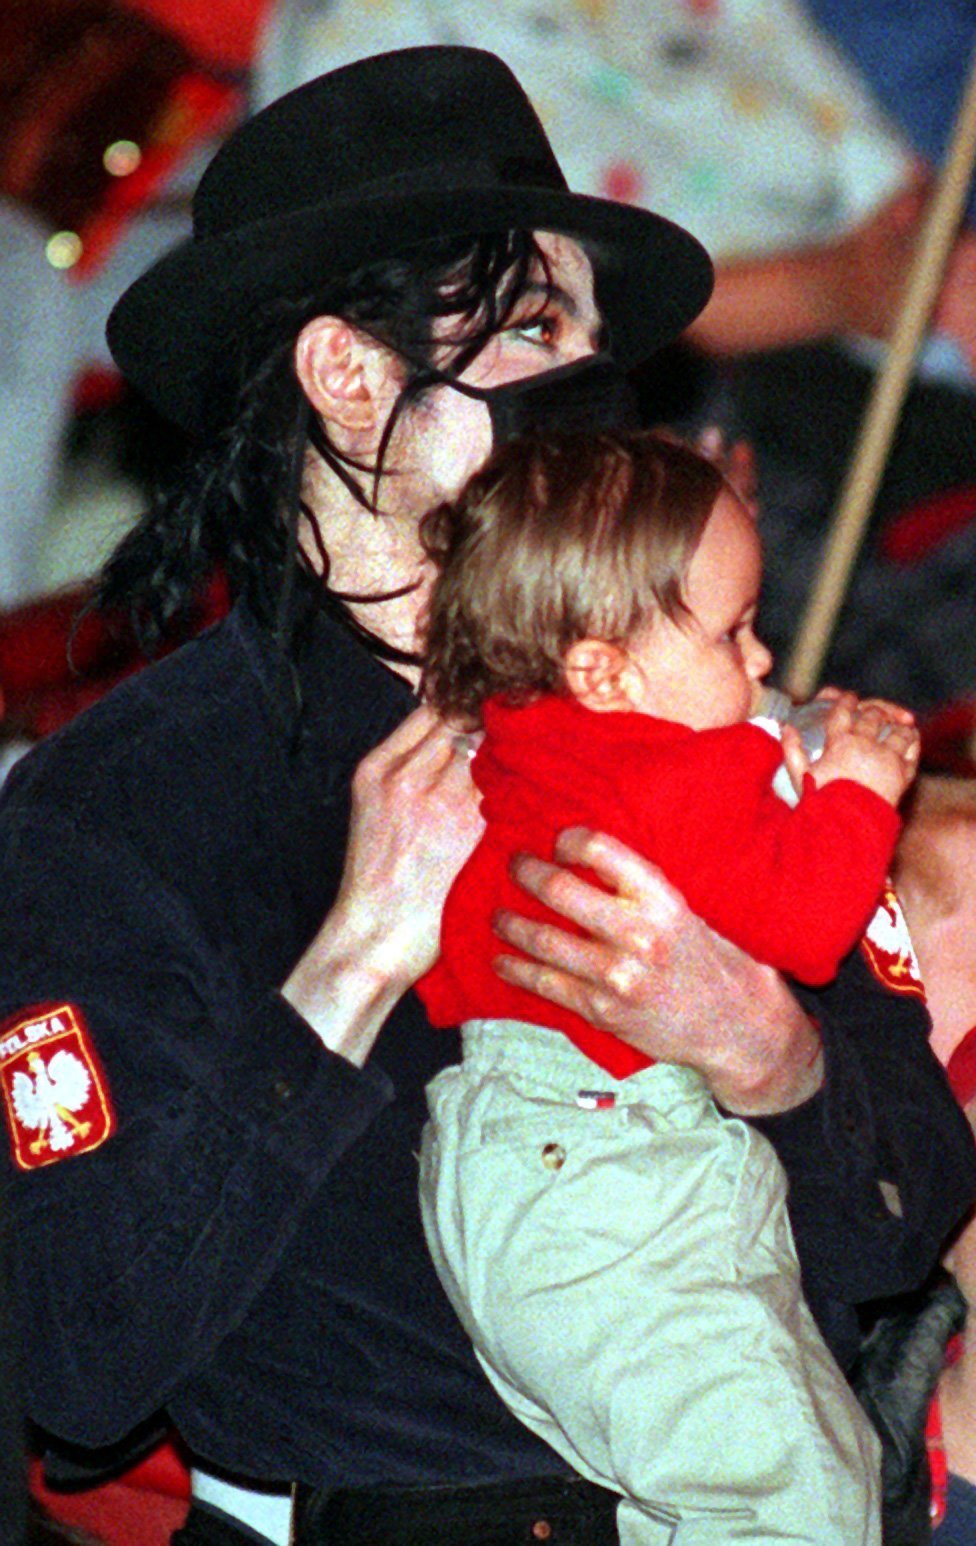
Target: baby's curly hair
{"points": [[558, 538]]}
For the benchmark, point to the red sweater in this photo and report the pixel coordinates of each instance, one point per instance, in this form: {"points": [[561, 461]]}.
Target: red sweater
{"points": [[793, 887]]}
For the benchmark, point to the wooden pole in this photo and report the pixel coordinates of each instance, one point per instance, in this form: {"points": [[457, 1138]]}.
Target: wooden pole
{"points": [[864, 474]]}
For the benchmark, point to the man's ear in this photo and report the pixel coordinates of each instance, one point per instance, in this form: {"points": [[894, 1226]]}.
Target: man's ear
{"points": [[599, 675], [346, 376]]}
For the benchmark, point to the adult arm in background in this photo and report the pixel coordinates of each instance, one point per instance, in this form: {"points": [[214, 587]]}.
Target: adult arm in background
{"points": [[935, 875], [914, 61], [850, 284], [853, 285]]}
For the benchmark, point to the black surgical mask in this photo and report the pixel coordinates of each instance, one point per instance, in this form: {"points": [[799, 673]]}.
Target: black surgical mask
{"points": [[590, 394]]}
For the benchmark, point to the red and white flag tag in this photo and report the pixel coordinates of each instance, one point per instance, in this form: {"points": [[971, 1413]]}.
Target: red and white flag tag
{"points": [[55, 1096]]}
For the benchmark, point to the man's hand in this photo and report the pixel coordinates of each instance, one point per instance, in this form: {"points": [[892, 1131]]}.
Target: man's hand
{"points": [[655, 975], [415, 819]]}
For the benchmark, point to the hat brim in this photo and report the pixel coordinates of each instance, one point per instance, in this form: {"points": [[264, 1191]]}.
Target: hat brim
{"points": [[172, 332]]}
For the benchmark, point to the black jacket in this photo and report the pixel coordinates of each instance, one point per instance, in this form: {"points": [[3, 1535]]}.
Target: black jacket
{"points": [[245, 1251]]}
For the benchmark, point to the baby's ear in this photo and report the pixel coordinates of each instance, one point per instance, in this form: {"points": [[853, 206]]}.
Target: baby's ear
{"points": [[598, 675]]}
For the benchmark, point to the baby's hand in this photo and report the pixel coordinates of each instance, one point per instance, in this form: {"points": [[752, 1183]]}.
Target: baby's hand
{"points": [[872, 742]]}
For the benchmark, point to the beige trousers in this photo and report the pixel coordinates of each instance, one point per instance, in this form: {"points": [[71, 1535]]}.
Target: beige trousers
{"points": [[627, 1275]]}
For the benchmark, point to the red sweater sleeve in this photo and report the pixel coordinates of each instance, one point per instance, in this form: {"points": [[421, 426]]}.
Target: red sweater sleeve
{"points": [[793, 887]]}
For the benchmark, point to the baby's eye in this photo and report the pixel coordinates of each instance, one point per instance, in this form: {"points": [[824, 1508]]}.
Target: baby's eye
{"points": [[735, 634]]}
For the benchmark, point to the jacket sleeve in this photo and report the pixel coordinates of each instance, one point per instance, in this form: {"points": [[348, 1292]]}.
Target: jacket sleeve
{"points": [[881, 1163], [795, 888], [132, 1260]]}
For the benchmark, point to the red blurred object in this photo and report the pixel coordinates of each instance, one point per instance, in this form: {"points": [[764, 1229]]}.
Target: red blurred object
{"points": [[52, 665], [142, 1507], [224, 32], [961, 1068], [196, 109], [96, 388], [923, 526], [949, 739], [98, 105]]}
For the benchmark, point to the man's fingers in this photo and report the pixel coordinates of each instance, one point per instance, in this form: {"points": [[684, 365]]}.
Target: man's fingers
{"points": [[552, 946], [403, 743], [626, 929], [625, 872], [421, 745], [420, 723], [591, 908], [436, 747], [588, 999]]}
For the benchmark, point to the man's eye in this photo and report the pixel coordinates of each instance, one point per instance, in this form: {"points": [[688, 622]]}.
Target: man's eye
{"points": [[540, 330]]}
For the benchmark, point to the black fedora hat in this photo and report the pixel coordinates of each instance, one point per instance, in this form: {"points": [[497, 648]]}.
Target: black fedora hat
{"points": [[362, 164]]}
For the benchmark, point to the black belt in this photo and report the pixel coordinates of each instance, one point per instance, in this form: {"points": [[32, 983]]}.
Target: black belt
{"points": [[554, 1511]]}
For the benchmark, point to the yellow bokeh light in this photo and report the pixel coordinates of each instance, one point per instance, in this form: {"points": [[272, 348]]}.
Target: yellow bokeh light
{"points": [[122, 158], [64, 249]]}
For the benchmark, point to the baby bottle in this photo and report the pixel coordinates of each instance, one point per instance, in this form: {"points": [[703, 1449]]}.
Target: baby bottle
{"points": [[807, 718]]}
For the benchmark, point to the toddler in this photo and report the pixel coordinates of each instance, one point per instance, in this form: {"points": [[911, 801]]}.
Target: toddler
{"points": [[620, 1252]]}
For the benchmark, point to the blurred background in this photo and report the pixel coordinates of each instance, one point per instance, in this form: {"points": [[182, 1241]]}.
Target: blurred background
{"points": [[802, 142], [799, 139]]}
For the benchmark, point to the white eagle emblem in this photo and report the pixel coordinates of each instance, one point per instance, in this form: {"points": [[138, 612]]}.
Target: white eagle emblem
{"points": [[887, 947], [49, 1100]]}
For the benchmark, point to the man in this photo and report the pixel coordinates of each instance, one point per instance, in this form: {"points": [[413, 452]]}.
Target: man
{"points": [[224, 880], [746, 126]]}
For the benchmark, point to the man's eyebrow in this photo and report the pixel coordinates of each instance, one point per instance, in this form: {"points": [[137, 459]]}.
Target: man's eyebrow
{"points": [[552, 292]]}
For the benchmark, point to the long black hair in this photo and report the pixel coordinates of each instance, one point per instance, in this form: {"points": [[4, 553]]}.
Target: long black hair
{"points": [[236, 501]]}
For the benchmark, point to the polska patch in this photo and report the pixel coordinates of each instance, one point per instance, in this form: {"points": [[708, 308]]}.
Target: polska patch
{"points": [[888, 949], [55, 1096]]}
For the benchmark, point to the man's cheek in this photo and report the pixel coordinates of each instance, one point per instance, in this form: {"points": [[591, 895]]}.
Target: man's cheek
{"points": [[455, 440]]}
